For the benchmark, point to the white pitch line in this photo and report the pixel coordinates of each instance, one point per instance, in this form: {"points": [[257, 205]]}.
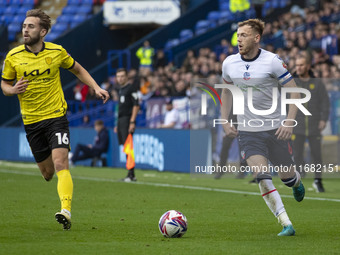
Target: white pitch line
{"points": [[166, 185]]}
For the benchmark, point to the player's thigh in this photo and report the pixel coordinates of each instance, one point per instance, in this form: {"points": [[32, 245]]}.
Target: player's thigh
{"points": [[258, 163], [39, 143]]}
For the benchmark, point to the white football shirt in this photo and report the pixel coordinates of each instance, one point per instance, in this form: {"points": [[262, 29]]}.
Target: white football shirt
{"points": [[260, 75]]}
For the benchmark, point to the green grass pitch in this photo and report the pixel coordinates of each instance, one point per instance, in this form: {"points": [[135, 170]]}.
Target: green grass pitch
{"points": [[110, 217]]}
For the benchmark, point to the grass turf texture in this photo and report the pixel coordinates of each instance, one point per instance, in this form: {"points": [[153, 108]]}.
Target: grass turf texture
{"points": [[110, 217]]}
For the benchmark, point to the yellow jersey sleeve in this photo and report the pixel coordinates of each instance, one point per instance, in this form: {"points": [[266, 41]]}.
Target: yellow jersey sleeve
{"points": [[8, 71], [67, 62]]}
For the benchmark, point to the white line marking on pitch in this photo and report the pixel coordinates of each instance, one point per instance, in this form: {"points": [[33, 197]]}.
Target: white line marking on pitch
{"points": [[168, 185]]}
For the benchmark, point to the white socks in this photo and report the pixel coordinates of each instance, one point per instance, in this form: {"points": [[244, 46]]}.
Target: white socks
{"points": [[273, 200]]}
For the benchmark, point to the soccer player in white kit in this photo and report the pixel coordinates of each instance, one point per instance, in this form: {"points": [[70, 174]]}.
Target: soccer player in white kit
{"points": [[262, 139]]}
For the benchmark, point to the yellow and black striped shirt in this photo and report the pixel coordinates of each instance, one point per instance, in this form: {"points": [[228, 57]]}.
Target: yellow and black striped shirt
{"points": [[44, 97]]}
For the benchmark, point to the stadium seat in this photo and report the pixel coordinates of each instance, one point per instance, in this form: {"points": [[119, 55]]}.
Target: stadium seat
{"points": [[73, 2], [6, 19], [202, 26], [88, 2], [15, 2], [65, 18], [18, 18], [28, 2], [51, 36], [224, 6], [3, 2], [11, 10], [14, 27], [213, 16], [60, 28], [250, 14], [23, 10], [77, 19], [225, 17], [85, 9], [70, 9], [185, 35], [171, 43]]}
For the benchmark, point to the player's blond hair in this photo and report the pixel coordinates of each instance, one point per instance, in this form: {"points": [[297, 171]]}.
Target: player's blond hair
{"points": [[45, 20], [256, 24]]}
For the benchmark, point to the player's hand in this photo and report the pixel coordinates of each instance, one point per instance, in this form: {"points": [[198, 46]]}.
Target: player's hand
{"points": [[21, 86], [284, 133], [132, 128], [230, 130], [102, 94]]}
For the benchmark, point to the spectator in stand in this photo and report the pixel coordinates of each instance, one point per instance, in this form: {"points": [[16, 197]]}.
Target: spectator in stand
{"points": [[80, 91], [101, 144], [180, 89], [171, 119], [145, 55], [91, 95], [160, 59]]}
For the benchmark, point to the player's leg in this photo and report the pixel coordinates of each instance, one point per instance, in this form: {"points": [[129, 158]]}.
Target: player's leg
{"points": [[254, 150], [315, 148], [59, 140], [40, 148], [281, 155], [269, 193]]}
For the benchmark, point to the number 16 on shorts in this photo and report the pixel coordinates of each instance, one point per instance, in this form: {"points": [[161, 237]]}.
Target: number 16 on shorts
{"points": [[62, 138]]}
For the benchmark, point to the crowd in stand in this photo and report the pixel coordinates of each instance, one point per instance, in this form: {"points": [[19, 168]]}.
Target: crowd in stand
{"points": [[310, 31]]}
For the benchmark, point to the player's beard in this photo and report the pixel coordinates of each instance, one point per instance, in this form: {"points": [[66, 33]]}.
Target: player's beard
{"points": [[32, 40]]}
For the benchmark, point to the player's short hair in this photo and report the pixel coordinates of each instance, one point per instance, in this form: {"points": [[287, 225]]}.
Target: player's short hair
{"points": [[45, 20], [255, 24], [99, 123], [121, 70]]}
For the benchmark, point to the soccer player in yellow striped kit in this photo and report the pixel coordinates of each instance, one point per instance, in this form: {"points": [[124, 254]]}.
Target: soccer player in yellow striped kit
{"points": [[31, 71]]}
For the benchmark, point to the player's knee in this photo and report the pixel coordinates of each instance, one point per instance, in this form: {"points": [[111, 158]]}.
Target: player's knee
{"points": [[263, 176], [60, 164]]}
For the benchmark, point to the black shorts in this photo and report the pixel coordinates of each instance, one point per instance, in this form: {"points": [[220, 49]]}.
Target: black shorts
{"points": [[123, 128], [265, 143], [46, 135]]}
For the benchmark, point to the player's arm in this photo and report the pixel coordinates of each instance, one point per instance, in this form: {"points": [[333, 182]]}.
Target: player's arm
{"points": [[86, 78], [19, 87], [132, 126], [285, 132], [227, 100]]}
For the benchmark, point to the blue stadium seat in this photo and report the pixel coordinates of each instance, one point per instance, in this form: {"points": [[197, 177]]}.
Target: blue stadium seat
{"points": [[283, 3], [225, 17], [275, 4], [3, 2], [77, 19], [224, 6], [14, 27], [70, 9], [12, 36], [28, 2], [60, 28], [15, 2], [214, 16], [85, 9], [23, 9], [19, 18], [202, 26], [11, 10], [185, 35], [73, 2], [51, 36], [6, 19], [171, 43], [65, 18], [89, 2]]}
